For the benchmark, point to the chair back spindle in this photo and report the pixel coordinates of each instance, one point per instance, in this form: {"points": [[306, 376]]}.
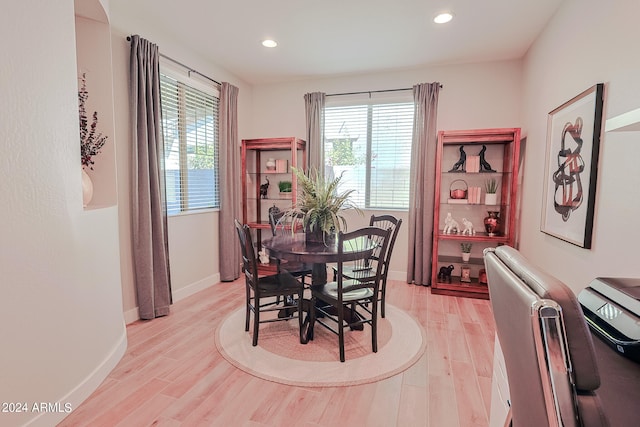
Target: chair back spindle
{"points": [[281, 292]]}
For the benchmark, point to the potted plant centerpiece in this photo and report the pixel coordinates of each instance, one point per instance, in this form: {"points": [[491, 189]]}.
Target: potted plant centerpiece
{"points": [[319, 206]]}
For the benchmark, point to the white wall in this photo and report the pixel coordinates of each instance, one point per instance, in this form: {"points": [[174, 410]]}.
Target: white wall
{"points": [[61, 317], [586, 43], [193, 239], [474, 96]]}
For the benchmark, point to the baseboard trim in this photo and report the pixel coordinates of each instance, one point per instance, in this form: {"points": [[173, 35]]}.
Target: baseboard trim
{"points": [[397, 275], [83, 390], [132, 315], [187, 291]]}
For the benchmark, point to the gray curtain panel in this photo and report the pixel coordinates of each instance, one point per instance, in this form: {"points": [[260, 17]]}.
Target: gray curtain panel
{"points": [[230, 194], [422, 191], [314, 110], [149, 215]]}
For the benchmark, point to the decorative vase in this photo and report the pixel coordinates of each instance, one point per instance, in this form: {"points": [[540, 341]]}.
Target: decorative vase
{"points": [[466, 256], [491, 199], [492, 223], [271, 164], [87, 189]]}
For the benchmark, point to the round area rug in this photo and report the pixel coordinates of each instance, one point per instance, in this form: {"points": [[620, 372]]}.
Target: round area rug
{"points": [[280, 357]]}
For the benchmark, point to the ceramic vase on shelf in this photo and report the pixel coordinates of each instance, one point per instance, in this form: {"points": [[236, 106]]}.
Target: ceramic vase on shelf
{"points": [[492, 223], [466, 256], [271, 164], [87, 189]]}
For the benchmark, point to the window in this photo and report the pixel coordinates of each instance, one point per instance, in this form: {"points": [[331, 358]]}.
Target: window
{"points": [[370, 145], [190, 127]]}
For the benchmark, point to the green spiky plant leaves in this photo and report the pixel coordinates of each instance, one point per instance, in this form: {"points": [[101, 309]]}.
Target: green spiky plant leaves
{"points": [[319, 204], [491, 186]]}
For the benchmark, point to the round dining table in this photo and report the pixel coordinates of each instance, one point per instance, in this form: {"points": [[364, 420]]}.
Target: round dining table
{"points": [[294, 247]]}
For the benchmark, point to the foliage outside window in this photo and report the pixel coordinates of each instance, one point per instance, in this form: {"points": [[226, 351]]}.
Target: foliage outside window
{"points": [[370, 145], [190, 128]]}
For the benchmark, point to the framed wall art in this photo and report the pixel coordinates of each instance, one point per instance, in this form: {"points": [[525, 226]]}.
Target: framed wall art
{"points": [[573, 143]]}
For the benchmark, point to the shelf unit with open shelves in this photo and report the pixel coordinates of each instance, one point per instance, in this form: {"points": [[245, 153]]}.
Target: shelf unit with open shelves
{"points": [[257, 169], [501, 150]]}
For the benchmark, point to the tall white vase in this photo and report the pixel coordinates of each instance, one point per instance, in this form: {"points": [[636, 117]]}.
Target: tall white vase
{"points": [[87, 189]]}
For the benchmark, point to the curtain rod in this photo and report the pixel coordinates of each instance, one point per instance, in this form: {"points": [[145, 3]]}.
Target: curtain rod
{"points": [[189, 69], [372, 91]]}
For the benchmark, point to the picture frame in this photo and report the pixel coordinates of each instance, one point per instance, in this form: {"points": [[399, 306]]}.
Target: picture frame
{"points": [[465, 274], [574, 131]]}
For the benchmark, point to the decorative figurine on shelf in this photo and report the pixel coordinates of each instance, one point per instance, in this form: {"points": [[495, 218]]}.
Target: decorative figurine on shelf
{"points": [[264, 256], [450, 225], [445, 273], [468, 227], [264, 188], [459, 165], [484, 165]]}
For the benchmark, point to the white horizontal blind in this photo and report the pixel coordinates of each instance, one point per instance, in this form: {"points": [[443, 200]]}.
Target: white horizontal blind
{"points": [[190, 127], [370, 145]]}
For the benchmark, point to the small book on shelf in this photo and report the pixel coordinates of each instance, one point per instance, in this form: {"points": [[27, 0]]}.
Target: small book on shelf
{"points": [[473, 164], [282, 165], [474, 195]]}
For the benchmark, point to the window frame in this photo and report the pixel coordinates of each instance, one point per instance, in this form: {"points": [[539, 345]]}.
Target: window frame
{"points": [[170, 70], [370, 100]]}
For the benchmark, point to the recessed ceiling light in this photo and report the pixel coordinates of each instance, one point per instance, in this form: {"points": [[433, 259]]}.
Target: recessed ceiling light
{"points": [[443, 18], [269, 43]]}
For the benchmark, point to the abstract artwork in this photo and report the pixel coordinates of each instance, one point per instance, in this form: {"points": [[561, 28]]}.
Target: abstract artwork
{"points": [[573, 143]]}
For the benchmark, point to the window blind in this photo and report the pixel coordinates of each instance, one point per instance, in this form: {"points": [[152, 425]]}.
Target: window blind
{"points": [[370, 145], [190, 128]]}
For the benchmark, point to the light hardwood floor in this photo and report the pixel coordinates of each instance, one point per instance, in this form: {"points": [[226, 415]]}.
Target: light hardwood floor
{"points": [[172, 374]]}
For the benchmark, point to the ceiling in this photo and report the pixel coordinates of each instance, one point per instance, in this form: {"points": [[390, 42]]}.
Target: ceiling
{"points": [[339, 37]]}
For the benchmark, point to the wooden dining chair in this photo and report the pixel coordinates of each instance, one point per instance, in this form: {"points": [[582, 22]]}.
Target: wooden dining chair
{"points": [[280, 223], [384, 222], [281, 292], [347, 302]]}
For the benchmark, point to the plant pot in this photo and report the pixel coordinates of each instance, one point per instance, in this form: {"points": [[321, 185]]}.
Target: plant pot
{"points": [[319, 237], [315, 236], [466, 256], [491, 199], [285, 195]]}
